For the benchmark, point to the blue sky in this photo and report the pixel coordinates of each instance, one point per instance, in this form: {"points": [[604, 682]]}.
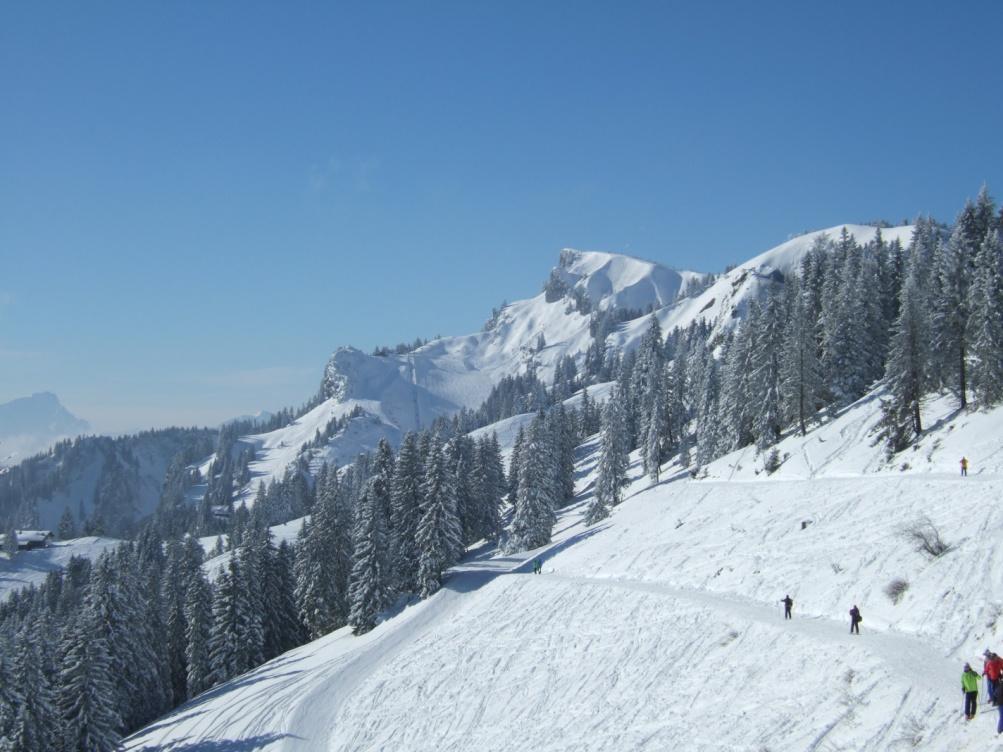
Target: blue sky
{"points": [[199, 201]]}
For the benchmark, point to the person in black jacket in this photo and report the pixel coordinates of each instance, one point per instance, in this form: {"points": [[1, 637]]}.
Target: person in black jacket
{"points": [[788, 605], [855, 619]]}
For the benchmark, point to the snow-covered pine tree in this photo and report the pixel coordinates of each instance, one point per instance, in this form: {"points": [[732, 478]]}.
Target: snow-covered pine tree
{"points": [[323, 562], [459, 461], [908, 364], [953, 266], [628, 399], [368, 593], [10, 543], [652, 446], [438, 535], [489, 484], [872, 328], [117, 597], [86, 691], [67, 525], [613, 461], [564, 439], [265, 594], [646, 383], [764, 384], [236, 637], [198, 623], [173, 596], [514, 463], [800, 369], [737, 405], [405, 514], [383, 472], [987, 322], [36, 720], [709, 431], [534, 515]]}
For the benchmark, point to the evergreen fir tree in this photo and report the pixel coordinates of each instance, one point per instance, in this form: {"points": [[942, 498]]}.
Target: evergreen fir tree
{"points": [[765, 377], [36, 720], [613, 456], [198, 623], [907, 370], [439, 531], [987, 322], [368, 592], [86, 691], [405, 515], [235, 638], [534, 515], [800, 370]]}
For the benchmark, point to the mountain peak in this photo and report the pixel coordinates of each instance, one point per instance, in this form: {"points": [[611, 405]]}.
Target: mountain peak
{"points": [[29, 425]]}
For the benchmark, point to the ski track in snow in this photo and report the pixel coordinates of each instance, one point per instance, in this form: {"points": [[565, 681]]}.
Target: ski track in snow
{"points": [[662, 626]]}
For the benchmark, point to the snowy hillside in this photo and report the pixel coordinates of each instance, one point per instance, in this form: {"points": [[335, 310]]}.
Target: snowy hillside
{"points": [[32, 424], [32, 567], [662, 628], [405, 392], [107, 483]]}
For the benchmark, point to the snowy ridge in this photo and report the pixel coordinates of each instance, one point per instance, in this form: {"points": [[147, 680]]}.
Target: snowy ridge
{"points": [[662, 626], [409, 391]]}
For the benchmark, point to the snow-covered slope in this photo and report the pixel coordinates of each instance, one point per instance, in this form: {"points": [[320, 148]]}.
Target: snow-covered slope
{"points": [[403, 392], [31, 567], [32, 424], [725, 302], [661, 628], [114, 482]]}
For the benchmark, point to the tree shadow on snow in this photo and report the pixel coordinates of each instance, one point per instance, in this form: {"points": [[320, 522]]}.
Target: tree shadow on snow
{"points": [[249, 744]]}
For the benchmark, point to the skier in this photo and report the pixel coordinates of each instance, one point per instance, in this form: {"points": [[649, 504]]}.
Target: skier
{"points": [[855, 619], [537, 566], [964, 466], [970, 688], [993, 671], [989, 684], [788, 605]]}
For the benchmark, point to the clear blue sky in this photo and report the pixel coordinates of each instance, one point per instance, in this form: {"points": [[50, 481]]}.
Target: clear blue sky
{"points": [[199, 201]]}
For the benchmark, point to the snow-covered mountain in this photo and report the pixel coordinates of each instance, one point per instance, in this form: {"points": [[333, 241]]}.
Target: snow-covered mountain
{"points": [[30, 425], [395, 393], [661, 628]]}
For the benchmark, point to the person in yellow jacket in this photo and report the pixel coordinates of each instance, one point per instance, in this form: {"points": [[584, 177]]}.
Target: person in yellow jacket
{"points": [[970, 687]]}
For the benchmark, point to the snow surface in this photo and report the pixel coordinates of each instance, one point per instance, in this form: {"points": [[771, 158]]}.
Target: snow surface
{"points": [[32, 567], [662, 627]]}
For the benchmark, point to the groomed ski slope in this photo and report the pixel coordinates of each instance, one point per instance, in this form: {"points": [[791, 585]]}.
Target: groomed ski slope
{"points": [[662, 627]]}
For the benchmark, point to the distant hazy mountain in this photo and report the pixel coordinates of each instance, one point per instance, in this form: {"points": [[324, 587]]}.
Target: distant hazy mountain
{"points": [[32, 424]]}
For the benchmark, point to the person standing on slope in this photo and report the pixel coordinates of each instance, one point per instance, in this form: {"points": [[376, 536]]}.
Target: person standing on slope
{"points": [[855, 619], [537, 566], [998, 701], [970, 688], [964, 466], [985, 665], [788, 605], [993, 671]]}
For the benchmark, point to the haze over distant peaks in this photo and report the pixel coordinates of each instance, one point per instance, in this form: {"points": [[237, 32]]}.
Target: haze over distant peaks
{"points": [[29, 425]]}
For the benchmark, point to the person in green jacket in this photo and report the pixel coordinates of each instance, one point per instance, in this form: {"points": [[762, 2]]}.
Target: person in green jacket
{"points": [[970, 688]]}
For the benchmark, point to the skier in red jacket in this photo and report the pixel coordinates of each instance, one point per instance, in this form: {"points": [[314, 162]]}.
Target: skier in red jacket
{"points": [[993, 671]]}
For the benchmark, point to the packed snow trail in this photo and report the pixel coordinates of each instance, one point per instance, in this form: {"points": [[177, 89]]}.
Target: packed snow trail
{"points": [[905, 654]]}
